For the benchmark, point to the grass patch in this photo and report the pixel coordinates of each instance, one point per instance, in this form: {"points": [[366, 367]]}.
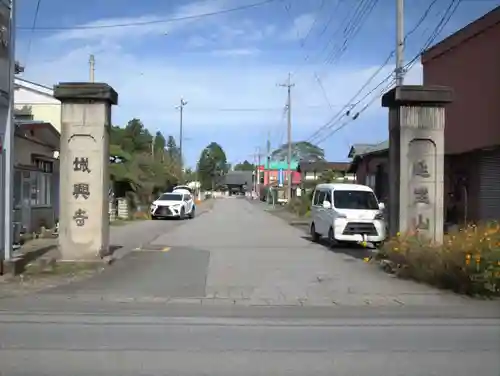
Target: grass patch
{"points": [[61, 268]]}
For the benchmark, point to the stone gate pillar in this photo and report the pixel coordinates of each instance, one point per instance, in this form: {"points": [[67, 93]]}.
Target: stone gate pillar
{"points": [[416, 158], [84, 175]]}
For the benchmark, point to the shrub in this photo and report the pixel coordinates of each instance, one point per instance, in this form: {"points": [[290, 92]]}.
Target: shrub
{"points": [[299, 205], [468, 261]]}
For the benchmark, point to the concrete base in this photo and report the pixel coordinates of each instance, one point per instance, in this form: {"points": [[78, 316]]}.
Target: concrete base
{"points": [[12, 267]]}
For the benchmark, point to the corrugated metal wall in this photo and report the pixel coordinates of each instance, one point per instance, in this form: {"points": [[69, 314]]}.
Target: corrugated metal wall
{"points": [[489, 185]]}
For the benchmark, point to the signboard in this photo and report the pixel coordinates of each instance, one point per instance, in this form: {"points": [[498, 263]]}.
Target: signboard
{"points": [[281, 177]]}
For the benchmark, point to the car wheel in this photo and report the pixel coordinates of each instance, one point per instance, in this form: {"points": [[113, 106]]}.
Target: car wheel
{"points": [[182, 214], [154, 218], [331, 238], [192, 214], [314, 235]]}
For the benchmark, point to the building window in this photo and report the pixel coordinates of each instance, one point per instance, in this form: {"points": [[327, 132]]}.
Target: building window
{"points": [[43, 165], [41, 189]]}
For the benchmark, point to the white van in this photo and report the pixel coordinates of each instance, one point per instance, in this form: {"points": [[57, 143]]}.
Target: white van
{"points": [[347, 213]]}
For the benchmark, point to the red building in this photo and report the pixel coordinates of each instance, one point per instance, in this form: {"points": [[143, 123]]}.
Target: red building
{"points": [[271, 176], [469, 62]]}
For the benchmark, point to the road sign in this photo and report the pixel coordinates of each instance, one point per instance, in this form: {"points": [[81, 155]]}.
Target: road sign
{"points": [[281, 177]]}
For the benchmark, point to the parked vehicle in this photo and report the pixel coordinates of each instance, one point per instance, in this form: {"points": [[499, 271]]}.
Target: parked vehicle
{"points": [[347, 213], [183, 189], [175, 204]]}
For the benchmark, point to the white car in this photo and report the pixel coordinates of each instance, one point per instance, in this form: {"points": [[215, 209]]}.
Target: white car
{"points": [[347, 213], [173, 205]]}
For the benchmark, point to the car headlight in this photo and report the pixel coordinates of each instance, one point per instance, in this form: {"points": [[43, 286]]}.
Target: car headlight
{"points": [[153, 207]]}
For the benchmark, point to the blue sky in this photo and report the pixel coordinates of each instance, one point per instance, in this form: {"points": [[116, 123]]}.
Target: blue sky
{"points": [[228, 66]]}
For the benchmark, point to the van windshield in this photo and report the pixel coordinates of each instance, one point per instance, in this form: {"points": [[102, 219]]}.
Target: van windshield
{"points": [[361, 200]]}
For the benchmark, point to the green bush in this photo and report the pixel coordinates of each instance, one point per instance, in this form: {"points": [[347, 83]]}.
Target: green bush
{"points": [[467, 262], [300, 206]]}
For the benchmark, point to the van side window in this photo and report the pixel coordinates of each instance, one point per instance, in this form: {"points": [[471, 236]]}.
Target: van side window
{"points": [[316, 198], [321, 198], [328, 197]]}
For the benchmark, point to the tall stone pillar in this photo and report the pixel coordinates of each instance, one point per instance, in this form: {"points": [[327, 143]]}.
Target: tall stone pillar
{"points": [[416, 158], [84, 163]]}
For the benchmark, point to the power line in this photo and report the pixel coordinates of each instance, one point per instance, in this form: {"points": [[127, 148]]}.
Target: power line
{"points": [[263, 109], [302, 44], [316, 18], [350, 120], [143, 23], [441, 24], [33, 26], [351, 31], [370, 79], [344, 25]]}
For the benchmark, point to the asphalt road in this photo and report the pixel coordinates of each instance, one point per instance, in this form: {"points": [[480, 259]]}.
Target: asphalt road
{"points": [[130, 345], [239, 292], [137, 234], [239, 254]]}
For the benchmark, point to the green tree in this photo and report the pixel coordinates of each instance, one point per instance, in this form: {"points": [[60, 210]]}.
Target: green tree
{"points": [[133, 169], [330, 176], [245, 166], [159, 143], [172, 149], [301, 151], [135, 137], [212, 165], [190, 175]]}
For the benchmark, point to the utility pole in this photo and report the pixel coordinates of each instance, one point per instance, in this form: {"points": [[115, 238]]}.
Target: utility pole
{"points": [[268, 157], [180, 107], [289, 86], [8, 142], [259, 160], [400, 42], [254, 183], [91, 68]]}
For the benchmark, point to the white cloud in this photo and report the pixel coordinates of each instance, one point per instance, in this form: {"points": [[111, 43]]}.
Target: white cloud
{"points": [[236, 52], [149, 86], [197, 41], [145, 25], [301, 26], [150, 89]]}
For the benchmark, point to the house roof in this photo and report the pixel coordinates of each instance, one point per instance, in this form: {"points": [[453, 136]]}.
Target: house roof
{"points": [[479, 26], [238, 178], [43, 131], [323, 166], [359, 150], [34, 87], [374, 149]]}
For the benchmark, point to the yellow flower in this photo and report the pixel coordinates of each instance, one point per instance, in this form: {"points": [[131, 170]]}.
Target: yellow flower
{"points": [[398, 234]]}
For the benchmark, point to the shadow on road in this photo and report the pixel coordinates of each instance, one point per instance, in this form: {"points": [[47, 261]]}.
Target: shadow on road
{"points": [[353, 250]]}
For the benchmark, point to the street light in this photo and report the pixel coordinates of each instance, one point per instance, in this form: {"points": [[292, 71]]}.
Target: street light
{"points": [[181, 108]]}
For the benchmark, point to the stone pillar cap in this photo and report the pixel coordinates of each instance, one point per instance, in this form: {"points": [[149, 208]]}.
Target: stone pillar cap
{"points": [[78, 91], [418, 96]]}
